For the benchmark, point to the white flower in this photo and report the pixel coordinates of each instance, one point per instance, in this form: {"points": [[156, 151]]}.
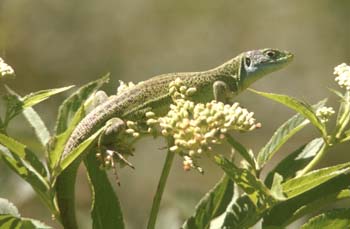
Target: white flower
{"points": [[324, 113], [124, 86], [6, 70], [195, 127], [342, 72]]}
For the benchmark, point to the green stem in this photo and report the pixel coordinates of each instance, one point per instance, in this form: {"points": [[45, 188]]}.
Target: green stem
{"points": [[344, 119], [160, 189], [315, 161]]}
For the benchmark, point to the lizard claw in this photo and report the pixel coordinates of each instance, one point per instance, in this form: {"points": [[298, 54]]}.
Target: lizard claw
{"points": [[109, 159], [121, 158], [108, 162]]}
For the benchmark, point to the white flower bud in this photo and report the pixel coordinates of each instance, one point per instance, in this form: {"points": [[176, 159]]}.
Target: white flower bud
{"points": [[130, 131]]}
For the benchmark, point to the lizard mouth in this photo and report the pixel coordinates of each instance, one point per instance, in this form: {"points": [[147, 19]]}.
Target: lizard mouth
{"points": [[287, 57]]}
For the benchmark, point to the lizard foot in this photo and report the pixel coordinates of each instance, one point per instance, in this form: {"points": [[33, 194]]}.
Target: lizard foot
{"points": [[109, 159]]}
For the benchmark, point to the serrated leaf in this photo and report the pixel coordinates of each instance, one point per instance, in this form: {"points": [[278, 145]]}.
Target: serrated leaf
{"points": [[12, 222], [308, 202], [297, 105], [34, 120], [299, 185], [39, 96], [295, 161], [283, 133], [241, 213], [105, 209], [336, 218], [211, 205], [71, 112], [10, 218], [75, 101], [38, 125], [22, 152], [250, 184], [13, 106], [38, 183]]}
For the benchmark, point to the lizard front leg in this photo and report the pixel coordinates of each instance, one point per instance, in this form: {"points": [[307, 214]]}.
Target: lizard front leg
{"points": [[221, 92], [111, 148]]}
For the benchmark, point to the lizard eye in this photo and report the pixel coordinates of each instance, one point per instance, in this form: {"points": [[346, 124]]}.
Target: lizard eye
{"points": [[247, 61], [271, 54]]}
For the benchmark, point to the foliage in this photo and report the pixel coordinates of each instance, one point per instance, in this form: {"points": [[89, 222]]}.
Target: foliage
{"points": [[241, 198]]}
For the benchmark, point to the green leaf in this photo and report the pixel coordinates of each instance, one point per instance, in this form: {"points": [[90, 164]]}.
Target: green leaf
{"points": [[106, 211], [299, 185], [277, 189], [75, 101], [297, 105], [58, 143], [283, 133], [77, 152], [336, 218], [14, 107], [32, 223], [74, 107], [29, 158], [211, 205], [38, 124], [6, 207], [248, 156], [39, 96], [71, 112], [38, 183], [308, 202], [34, 120], [346, 137], [250, 184], [241, 213], [24, 163], [296, 161], [10, 218], [337, 93]]}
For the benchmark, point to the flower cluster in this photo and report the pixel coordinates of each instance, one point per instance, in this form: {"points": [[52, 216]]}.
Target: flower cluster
{"points": [[195, 127], [342, 72], [324, 113], [6, 70], [132, 129]]}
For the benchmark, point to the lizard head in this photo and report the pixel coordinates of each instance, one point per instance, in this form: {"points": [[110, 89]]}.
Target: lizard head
{"points": [[257, 63]]}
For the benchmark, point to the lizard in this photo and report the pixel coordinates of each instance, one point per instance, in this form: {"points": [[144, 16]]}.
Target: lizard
{"points": [[221, 83]]}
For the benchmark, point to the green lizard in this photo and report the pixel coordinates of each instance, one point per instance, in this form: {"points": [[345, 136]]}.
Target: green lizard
{"points": [[221, 83]]}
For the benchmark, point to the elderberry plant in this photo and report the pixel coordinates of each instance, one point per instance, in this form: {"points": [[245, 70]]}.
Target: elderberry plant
{"points": [[242, 198]]}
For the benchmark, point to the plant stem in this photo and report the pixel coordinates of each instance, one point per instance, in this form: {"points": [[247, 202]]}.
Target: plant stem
{"points": [[315, 161], [160, 189]]}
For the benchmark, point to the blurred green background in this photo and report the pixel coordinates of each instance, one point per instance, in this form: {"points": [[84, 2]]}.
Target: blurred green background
{"points": [[58, 43]]}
